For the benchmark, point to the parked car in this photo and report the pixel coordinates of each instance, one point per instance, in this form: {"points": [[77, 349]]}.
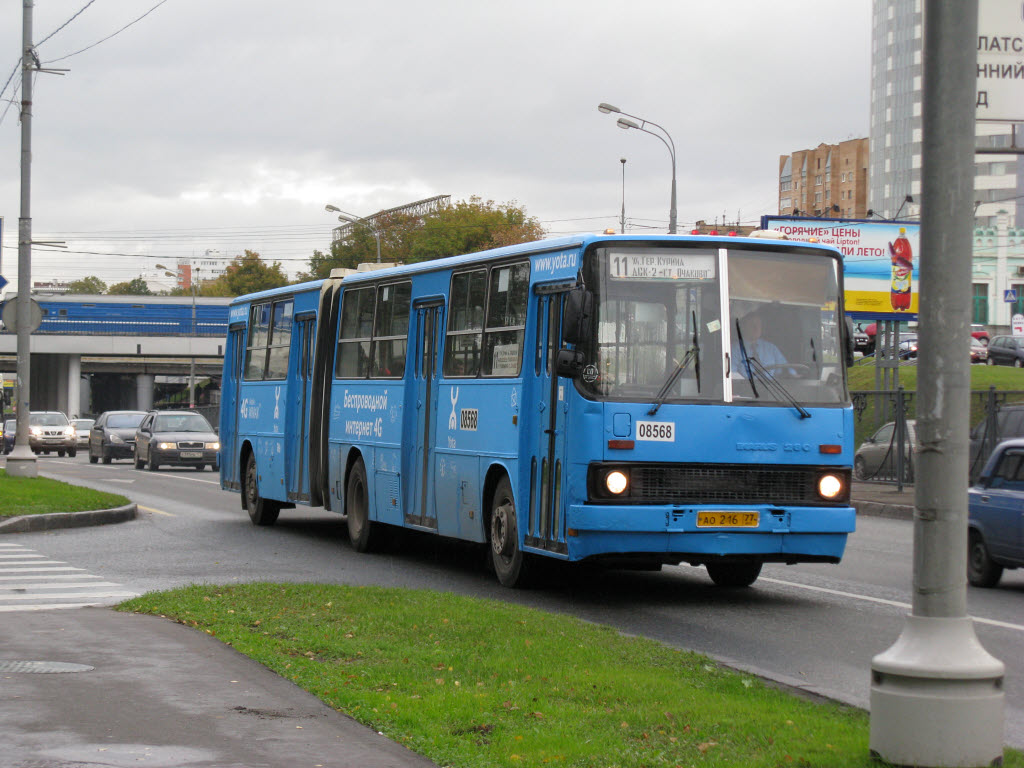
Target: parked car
{"points": [[51, 431], [876, 457], [113, 435], [82, 427], [10, 428], [980, 332], [979, 351], [995, 536], [1009, 423], [177, 438], [1006, 350]]}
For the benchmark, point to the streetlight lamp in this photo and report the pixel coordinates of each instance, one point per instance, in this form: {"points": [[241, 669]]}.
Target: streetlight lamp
{"points": [[352, 219], [664, 137]]}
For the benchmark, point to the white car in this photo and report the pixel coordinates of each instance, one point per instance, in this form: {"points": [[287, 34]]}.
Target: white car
{"points": [[82, 427]]}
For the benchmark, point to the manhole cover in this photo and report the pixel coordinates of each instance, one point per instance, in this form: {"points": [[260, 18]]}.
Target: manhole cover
{"points": [[42, 667]]}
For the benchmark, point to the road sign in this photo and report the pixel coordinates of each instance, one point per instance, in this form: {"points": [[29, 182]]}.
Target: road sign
{"points": [[10, 314], [1010, 295], [3, 282], [1017, 325]]}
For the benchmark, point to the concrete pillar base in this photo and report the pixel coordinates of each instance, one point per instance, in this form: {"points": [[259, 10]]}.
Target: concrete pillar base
{"points": [[937, 697], [21, 462]]}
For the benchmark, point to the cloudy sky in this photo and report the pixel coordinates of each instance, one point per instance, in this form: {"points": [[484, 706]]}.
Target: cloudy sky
{"points": [[230, 124]]}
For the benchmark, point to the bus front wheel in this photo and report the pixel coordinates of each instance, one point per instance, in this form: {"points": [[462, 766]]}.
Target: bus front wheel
{"points": [[261, 511], [506, 556], [741, 574], [363, 532]]}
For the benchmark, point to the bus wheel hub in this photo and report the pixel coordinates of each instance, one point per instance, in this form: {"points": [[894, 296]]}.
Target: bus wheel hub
{"points": [[501, 540]]}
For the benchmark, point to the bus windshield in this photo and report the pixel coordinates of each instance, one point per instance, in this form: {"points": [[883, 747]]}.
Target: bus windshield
{"points": [[693, 324]]}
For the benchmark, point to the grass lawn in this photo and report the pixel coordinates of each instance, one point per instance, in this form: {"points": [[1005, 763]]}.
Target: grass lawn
{"points": [[42, 496], [470, 682]]}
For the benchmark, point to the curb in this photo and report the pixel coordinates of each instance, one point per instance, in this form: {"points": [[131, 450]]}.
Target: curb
{"points": [[57, 520], [882, 509]]}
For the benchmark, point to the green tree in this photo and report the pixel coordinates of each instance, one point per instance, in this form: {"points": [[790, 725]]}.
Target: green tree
{"points": [[87, 285], [134, 287], [245, 274], [464, 227]]}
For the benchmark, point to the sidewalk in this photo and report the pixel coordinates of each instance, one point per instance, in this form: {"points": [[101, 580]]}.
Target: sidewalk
{"points": [[152, 692], [883, 500]]}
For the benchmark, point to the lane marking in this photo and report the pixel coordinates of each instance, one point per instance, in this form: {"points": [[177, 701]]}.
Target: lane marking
{"points": [[33, 570], [155, 511], [883, 601]]}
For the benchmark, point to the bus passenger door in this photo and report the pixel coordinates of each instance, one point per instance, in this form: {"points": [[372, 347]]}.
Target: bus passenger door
{"points": [[420, 510], [545, 514], [300, 390], [231, 407]]}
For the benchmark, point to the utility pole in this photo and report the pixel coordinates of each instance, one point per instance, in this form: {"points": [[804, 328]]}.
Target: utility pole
{"points": [[936, 694], [22, 462]]}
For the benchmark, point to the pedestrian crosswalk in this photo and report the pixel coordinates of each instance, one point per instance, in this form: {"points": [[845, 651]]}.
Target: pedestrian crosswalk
{"points": [[30, 581]]}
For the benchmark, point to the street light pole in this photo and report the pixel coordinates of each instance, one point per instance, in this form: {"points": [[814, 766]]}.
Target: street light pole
{"points": [[192, 358], [353, 219], [665, 138], [22, 462], [622, 219]]}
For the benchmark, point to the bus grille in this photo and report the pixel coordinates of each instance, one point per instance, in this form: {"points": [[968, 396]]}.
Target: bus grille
{"points": [[729, 484]]}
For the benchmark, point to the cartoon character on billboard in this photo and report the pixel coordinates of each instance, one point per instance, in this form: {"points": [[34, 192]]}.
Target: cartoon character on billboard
{"points": [[902, 257]]}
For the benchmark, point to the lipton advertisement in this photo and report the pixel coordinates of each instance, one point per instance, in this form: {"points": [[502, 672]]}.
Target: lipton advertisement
{"points": [[880, 260]]}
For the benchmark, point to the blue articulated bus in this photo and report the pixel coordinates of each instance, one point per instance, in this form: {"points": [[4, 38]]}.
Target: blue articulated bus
{"points": [[627, 400]]}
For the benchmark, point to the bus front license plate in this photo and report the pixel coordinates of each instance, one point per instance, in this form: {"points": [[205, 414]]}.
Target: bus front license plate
{"points": [[714, 519], [191, 454]]}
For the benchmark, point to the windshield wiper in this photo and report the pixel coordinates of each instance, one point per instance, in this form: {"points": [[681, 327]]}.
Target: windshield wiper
{"points": [[692, 355], [756, 369]]}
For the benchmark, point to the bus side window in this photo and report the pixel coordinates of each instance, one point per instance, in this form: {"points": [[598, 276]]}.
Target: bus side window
{"points": [[256, 349], [506, 319], [465, 323], [391, 332], [354, 337], [280, 340]]}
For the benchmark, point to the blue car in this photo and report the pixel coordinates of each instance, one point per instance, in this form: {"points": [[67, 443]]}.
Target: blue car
{"points": [[996, 506]]}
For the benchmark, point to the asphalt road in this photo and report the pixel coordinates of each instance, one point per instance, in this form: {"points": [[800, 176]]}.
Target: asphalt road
{"points": [[813, 626]]}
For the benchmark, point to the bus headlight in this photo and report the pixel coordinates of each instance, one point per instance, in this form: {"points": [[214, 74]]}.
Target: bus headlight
{"points": [[616, 482], [830, 486]]}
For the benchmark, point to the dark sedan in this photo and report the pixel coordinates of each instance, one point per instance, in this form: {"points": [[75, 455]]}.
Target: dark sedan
{"points": [[995, 538], [176, 438], [113, 435], [10, 427]]}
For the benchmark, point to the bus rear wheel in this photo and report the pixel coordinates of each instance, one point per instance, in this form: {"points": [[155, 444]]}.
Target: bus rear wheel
{"points": [[364, 533], [741, 574], [506, 556], [261, 511]]}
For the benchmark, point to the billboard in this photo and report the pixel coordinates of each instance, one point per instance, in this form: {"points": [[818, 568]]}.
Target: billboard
{"points": [[880, 261]]}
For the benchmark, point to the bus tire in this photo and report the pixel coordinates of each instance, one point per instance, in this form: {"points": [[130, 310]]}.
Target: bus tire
{"points": [[741, 574], [261, 511], [506, 556], [364, 533]]}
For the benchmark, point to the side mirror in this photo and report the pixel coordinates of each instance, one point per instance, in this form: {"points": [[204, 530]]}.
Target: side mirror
{"points": [[569, 363], [576, 320]]}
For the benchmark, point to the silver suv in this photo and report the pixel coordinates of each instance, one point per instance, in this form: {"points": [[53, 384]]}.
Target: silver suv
{"points": [[51, 431]]}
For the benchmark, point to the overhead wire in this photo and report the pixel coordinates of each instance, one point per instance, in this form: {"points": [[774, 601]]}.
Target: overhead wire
{"points": [[108, 37]]}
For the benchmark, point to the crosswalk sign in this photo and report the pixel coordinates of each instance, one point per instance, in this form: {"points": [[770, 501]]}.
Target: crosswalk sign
{"points": [[1010, 295]]}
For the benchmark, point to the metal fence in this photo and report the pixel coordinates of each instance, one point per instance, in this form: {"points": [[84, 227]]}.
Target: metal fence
{"points": [[885, 430]]}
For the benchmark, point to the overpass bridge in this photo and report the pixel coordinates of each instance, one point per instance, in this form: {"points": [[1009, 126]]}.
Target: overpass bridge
{"points": [[97, 353]]}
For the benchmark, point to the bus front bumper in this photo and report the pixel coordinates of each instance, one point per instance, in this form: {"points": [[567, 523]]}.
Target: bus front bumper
{"points": [[697, 534]]}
